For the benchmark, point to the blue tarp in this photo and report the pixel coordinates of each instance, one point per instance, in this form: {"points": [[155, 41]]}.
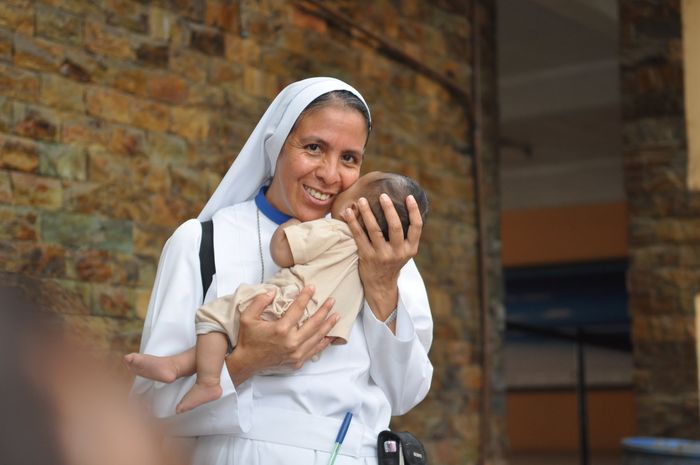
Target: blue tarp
{"points": [[663, 446]]}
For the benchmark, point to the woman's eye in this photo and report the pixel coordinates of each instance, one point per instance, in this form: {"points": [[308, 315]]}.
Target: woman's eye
{"points": [[313, 147], [348, 158]]}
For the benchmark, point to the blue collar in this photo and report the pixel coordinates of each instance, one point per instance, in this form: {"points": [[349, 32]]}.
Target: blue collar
{"points": [[267, 209]]}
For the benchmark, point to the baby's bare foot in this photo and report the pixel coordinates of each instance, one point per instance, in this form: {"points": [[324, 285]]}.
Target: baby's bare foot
{"points": [[198, 395], [152, 367]]}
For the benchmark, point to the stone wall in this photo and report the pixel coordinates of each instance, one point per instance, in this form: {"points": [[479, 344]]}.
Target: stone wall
{"points": [[119, 117], [664, 237]]}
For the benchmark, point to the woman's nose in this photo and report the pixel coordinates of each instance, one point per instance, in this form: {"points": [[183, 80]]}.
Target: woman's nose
{"points": [[328, 170]]}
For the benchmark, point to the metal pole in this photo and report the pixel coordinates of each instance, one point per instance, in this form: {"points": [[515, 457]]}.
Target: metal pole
{"points": [[485, 446], [581, 396]]}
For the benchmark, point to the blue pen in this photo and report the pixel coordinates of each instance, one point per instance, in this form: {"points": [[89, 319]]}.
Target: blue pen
{"points": [[340, 437]]}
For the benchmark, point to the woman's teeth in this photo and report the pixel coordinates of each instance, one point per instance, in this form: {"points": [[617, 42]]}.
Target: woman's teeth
{"points": [[316, 194]]}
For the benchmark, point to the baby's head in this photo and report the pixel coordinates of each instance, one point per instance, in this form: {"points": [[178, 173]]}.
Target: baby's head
{"points": [[371, 186]]}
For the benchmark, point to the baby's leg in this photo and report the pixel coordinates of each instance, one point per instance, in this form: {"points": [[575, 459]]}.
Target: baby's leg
{"points": [[166, 369], [211, 351]]}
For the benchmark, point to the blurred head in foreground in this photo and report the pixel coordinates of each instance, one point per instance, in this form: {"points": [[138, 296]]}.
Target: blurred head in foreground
{"points": [[60, 405]]}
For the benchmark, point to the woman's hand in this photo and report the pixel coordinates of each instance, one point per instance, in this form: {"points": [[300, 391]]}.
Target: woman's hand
{"points": [[380, 260], [268, 344]]}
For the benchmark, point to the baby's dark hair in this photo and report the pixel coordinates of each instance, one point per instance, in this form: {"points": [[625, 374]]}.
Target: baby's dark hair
{"points": [[397, 187]]}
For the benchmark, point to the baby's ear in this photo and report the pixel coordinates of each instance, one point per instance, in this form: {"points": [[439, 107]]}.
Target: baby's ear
{"points": [[356, 211]]}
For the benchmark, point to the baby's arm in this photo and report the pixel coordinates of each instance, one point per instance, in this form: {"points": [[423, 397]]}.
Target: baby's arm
{"points": [[279, 245]]}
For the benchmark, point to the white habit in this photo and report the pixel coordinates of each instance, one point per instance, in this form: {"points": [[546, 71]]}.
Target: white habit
{"points": [[283, 419]]}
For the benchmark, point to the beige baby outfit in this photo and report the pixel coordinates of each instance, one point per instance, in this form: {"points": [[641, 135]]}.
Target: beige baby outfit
{"points": [[325, 255]]}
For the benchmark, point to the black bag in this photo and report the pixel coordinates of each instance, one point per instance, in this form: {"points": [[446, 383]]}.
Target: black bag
{"points": [[394, 448]]}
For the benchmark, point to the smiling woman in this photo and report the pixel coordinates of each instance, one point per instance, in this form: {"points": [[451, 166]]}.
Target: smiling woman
{"points": [[306, 149]]}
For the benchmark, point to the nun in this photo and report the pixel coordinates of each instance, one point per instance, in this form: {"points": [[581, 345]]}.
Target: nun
{"points": [[307, 148]]}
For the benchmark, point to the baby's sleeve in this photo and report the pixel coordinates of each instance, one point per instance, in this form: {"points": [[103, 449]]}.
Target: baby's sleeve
{"points": [[310, 239]]}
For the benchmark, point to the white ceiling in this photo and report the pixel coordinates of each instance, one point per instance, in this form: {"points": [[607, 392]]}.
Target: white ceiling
{"points": [[559, 103]]}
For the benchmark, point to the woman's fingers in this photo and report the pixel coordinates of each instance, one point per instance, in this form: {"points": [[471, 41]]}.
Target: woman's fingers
{"points": [[267, 344], [313, 333], [361, 239], [373, 230], [258, 347], [416, 227], [258, 305], [296, 309], [375, 238], [393, 221], [301, 343], [319, 323]]}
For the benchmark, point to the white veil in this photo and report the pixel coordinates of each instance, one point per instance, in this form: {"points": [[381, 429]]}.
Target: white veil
{"points": [[255, 163]]}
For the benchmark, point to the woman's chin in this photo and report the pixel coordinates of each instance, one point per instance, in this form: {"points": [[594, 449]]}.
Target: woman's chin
{"points": [[309, 214], [313, 209]]}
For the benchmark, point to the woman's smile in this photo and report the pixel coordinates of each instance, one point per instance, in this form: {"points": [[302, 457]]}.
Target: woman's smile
{"points": [[320, 196]]}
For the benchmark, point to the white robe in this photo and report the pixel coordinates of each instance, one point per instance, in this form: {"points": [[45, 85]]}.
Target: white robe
{"points": [[282, 419]]}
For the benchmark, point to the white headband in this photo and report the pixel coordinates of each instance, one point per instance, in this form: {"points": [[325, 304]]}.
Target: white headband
{"points": [[255, 163]]}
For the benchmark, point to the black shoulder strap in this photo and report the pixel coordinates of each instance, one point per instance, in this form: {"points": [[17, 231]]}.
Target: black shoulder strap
{"points": [[207, 267]]}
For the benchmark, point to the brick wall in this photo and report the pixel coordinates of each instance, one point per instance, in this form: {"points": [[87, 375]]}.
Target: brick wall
{"points": [[664, 272], [118, 118]]}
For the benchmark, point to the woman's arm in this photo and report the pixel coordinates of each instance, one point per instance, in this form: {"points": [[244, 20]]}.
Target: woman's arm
{"points": [[398, 350], [399, 362]]}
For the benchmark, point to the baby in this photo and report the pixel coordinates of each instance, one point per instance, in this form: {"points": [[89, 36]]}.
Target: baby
{"points": [[320, 252]]}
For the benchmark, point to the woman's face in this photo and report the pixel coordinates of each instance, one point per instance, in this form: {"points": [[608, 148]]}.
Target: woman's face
{"points": [[320, 158]]}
